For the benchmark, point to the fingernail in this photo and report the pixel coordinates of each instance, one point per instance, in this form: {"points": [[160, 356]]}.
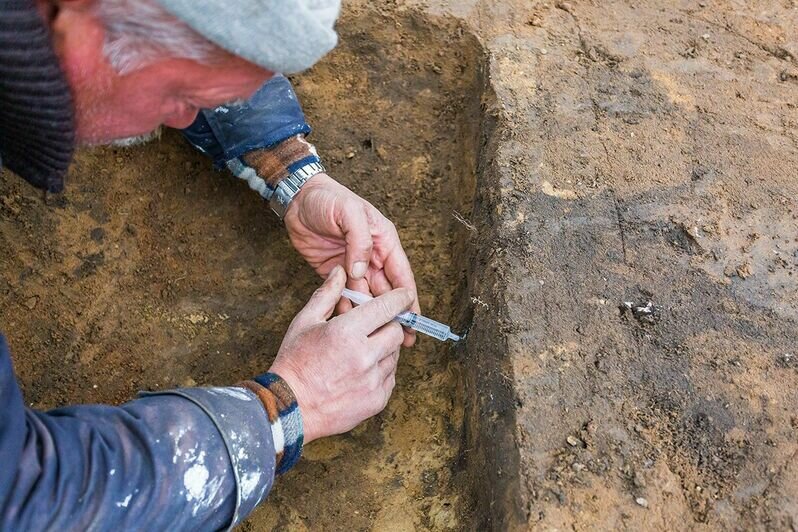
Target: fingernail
{"points": [[359, 270]]}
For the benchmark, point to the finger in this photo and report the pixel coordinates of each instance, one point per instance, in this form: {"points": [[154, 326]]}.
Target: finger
{"points": [[387, 338], [322, 303], [400, 274], [343, 306], [387, 386], [355, 225], [371, 315], [387, 365], [360, 285], [380, 285]]}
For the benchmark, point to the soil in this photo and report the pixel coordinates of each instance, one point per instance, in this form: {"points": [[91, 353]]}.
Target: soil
{"points": [[155, 271], [638, 242], [601, 193]]}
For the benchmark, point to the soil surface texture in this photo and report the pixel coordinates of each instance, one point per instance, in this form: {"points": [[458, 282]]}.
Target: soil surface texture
{"points": [[154, 271], [603, 194]]}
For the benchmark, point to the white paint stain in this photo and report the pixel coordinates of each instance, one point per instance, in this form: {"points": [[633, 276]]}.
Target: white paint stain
{"points": [[248, 484], [123, 503], [235, 393], [310, 146], [194, 480]]}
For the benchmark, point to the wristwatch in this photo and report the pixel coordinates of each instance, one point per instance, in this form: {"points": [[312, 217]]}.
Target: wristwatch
{"points": [[289, 187]]}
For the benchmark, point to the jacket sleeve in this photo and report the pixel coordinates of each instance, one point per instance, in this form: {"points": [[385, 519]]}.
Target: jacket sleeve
{"points": [[199, 458], [272, 115]]}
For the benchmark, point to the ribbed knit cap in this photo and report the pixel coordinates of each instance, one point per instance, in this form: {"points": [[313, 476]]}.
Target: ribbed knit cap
{"points": [[37, 136], [284, 36]]}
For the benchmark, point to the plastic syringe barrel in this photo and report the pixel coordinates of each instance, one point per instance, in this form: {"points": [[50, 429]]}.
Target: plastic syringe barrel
{"points": [[415, 321], [424, 325]]}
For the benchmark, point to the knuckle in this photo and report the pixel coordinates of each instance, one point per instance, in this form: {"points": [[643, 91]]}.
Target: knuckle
{"points": [[374, 381], [397, 335], [384, 307], [363, 362]]}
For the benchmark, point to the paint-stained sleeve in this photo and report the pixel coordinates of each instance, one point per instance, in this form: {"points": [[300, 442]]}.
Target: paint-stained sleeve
{"points": [[272, 115], [188, 459]]}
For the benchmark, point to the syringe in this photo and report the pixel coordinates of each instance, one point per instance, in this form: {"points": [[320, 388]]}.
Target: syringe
{"points": [[410, 319]]}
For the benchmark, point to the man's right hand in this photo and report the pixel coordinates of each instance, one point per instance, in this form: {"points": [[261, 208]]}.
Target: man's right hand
{"points": [[342, 370]]}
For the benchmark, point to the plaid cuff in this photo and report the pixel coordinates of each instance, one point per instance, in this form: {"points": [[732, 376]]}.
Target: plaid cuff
{"points": [[284, 417], [263, 169]]}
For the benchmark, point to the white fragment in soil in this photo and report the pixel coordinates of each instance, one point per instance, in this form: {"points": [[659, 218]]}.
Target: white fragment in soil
{"points": [[468, 225], [561, 193], [477, 301], [124, 503], [573, 441], [196, 319], [642, 501]]}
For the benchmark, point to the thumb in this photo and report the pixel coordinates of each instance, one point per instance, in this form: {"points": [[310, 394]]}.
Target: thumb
{"points": [[357, 232], [322, 303]]}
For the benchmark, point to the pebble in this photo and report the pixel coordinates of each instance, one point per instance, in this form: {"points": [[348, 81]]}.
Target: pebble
{"points": [[642, 501], [573, 441]]}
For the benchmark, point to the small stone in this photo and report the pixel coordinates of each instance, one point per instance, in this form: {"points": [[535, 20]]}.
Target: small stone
{"points": [[573, 441], [535, 21], [565, 6], [744, 271], [543, 51], [31, 302], [188, 382], [642, 501], [350, 155], [97, 234]]}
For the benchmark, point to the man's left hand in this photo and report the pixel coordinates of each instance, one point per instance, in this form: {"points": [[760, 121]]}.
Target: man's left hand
{"points": [[330, 225]]}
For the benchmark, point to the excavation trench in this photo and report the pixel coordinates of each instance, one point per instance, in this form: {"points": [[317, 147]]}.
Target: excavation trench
{"points": [[155, 271]]}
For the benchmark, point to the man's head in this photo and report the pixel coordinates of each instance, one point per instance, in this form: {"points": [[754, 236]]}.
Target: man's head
{"points": [[133, 65]]}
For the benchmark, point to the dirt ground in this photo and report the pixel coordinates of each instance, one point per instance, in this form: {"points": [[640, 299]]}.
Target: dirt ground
{"points": [[154, 271], [625, 263], [645, 152]]}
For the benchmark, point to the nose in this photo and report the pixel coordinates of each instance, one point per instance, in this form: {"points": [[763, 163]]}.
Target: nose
{"points": [[182, 117]]}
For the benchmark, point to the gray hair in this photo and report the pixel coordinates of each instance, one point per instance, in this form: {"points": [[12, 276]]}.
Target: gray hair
{"points": [[141, 32]]}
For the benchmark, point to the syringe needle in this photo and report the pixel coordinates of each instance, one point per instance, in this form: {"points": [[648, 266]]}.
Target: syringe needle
{"points": [[412, 320]]}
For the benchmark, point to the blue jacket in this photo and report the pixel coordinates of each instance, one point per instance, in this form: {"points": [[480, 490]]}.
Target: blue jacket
{"points": [[198, 458]]}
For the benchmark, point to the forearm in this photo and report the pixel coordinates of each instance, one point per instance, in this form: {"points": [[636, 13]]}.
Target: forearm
{"points": [[261, 140], [190, 458]]}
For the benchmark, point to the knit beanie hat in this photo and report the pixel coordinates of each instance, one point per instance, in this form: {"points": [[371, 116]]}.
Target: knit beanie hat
{"points": [[36, 123], [283, 36]]}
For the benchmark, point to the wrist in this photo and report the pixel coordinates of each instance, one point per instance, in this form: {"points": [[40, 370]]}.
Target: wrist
{"points": [[284, 416], [265, 168]]}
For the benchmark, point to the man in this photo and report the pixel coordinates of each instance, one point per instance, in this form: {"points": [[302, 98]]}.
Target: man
{"points": [[96, 71]]}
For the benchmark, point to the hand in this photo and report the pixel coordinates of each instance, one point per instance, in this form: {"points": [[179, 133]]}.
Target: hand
{"points": [[342, 370], [331, 225]]}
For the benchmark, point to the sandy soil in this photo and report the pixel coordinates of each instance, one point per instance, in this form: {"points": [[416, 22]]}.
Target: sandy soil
{"points": [[154, 271], [628, 152]]}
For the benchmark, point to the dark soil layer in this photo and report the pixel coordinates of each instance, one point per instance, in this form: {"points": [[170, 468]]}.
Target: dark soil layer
{"points": [[645, 156], [154, 271]]}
